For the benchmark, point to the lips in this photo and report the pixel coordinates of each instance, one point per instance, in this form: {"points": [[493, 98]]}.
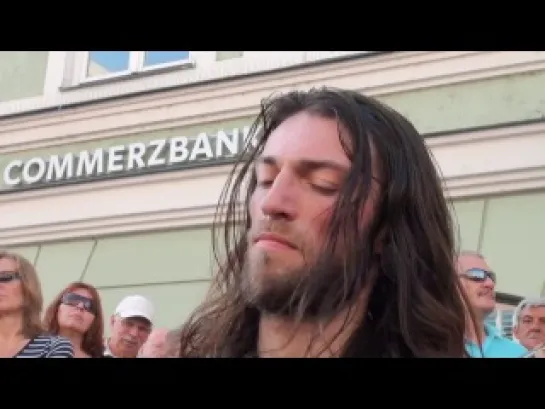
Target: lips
{"points": [[129, 342], [274, 238]]}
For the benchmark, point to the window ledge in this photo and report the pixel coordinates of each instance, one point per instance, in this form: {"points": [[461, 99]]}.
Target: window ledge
{"points": [[112, 79], [207, 70]]}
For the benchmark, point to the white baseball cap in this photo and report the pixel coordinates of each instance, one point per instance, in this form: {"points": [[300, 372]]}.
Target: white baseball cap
{"points": [[135, 306]]}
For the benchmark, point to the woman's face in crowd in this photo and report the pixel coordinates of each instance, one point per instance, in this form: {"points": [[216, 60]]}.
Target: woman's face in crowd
{"points": [[76, 311], [11, 288]]}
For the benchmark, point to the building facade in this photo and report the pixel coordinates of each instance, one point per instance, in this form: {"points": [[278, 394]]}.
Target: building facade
{"points": [[112, 163]]}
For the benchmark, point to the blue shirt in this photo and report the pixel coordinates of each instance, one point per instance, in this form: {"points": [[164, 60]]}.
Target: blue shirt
{"points": [[495, 346]]}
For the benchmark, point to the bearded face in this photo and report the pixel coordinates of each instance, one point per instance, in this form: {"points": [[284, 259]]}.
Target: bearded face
{"points": [[299, 175]]}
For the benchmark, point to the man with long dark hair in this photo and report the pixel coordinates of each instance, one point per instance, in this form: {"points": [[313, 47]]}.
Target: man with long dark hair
{"points": [[338, 240]]}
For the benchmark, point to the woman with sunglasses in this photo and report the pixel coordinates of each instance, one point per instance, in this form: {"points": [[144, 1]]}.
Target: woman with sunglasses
{"points": [[21, 331], [76, 313]]}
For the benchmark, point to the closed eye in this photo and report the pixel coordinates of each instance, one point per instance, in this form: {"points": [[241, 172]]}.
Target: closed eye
{"points": [[325, 190]]}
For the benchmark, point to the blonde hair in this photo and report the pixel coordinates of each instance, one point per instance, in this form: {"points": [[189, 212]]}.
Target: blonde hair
{"points": [[32, 294]]}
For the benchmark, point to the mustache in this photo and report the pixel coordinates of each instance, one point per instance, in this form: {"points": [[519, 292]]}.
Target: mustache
{"points": [[278, 227]]}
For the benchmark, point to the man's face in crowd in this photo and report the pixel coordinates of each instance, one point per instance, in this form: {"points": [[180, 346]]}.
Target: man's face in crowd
{"points": [[155, 346], [530, 329], [128, 335], [481, 293], [299, 174]]}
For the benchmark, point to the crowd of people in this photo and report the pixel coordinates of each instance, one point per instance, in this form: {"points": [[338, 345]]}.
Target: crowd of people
{"points": [[339, 242]]}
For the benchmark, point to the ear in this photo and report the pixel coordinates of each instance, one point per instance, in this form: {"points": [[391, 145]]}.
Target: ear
{"points": [[112, 320]]}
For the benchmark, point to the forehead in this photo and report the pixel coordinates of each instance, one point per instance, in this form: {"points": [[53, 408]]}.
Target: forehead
{"points": [[534, 311], [136, 321], [470, 261], [307, 136], [81, 291], [8, 264]]}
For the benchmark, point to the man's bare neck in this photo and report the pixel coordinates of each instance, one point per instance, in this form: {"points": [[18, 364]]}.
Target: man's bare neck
{"points": [[471, 333], [281, 337]]}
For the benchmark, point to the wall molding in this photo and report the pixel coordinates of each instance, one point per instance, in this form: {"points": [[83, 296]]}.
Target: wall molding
{"points": [[507, 160], [160, 220], [491, 161], [497, 183], [235, 98]]}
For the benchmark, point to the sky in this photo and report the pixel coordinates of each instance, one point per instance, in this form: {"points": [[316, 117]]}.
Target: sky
{"points": [[115, 61]]}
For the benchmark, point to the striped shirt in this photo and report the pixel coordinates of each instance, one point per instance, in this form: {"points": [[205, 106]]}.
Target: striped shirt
{"points": [[47, 346]]}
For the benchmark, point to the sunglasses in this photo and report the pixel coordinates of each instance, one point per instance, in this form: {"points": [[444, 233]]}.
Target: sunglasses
{"points": [[75, 300], [479, 275], [9, 276]]}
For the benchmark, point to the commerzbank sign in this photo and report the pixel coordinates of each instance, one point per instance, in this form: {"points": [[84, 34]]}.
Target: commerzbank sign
{"points": [[125, 160]]}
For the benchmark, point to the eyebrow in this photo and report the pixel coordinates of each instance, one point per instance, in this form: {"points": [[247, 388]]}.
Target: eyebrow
{"points": [[306, 165]]}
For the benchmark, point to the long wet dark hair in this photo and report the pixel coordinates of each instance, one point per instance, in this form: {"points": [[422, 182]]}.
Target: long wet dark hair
{"points": [[416, 306]]}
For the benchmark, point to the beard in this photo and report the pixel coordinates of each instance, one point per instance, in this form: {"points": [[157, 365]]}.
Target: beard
{"points": [[306, 291]]}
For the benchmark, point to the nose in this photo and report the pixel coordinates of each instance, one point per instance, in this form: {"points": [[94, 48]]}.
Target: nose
{"points": [[279, 201], [133, 331], [489, 284], [535, 327], [80, 306]]}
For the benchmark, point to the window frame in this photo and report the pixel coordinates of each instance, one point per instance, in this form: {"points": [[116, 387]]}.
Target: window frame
{"points": [[136, 67], [502, 316]]}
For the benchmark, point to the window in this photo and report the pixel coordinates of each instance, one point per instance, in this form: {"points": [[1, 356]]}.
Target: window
{"points": [[105, 64], [503, 320], [507, 323]]}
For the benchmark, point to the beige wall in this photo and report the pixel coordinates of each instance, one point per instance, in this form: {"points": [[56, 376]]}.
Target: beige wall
{"points": [[171, 268], [22, 74], [186, 198], [508, 231], [474, 163], [385, 73]]}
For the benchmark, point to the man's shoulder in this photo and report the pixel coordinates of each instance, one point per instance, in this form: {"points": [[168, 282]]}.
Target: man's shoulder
{"points": [[512, 347]]}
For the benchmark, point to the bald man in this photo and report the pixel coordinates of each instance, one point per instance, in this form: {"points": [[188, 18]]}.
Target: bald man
{"points": [[155, 346]]}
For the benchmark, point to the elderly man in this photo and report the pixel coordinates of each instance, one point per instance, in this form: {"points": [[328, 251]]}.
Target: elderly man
{"points": [[479, 283], [529, 325], [156, 345], [131, 325], [162, 343]]}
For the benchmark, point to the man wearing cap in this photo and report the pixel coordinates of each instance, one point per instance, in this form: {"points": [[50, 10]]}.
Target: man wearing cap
{"points": [[130, 326]]}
